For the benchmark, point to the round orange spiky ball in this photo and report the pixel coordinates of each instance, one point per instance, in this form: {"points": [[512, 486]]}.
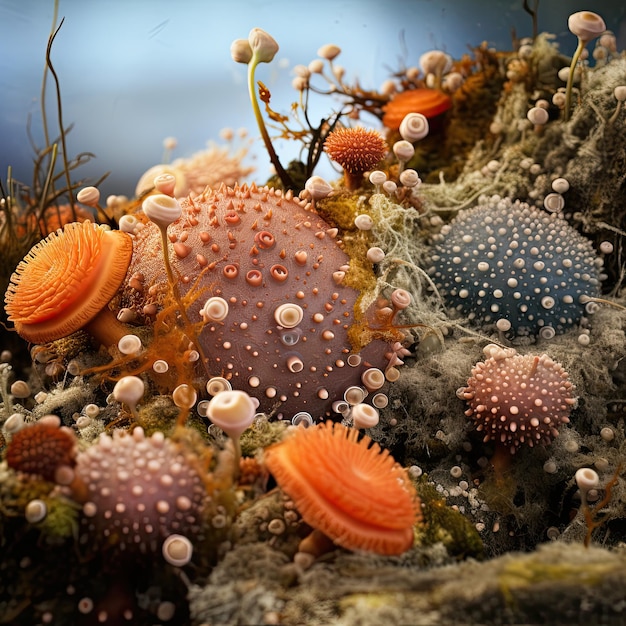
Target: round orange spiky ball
{"points": [[349, 489], [356, 150]]}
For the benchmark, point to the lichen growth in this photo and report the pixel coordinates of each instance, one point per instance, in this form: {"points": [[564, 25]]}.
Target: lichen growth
{"points": [[260, 435], [444, 524]]}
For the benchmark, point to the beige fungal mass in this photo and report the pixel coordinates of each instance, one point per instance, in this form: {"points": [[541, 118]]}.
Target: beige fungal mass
{"points": [[260, 250]]}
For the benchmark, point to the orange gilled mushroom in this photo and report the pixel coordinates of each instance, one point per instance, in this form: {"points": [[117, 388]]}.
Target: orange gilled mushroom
{"points": [[348, 489], [428, 102], [65, 284]]}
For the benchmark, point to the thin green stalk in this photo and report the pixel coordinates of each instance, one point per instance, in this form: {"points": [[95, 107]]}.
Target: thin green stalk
{"points": [[280, 170], [570, 79], [175, 291], [168, 270]]}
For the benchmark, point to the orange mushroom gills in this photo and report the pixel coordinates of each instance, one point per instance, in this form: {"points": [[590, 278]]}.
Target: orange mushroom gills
{"points": [[66, 280], [349, 489]]}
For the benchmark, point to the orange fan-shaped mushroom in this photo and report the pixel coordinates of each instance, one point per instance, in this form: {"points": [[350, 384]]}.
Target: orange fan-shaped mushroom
{"points": [[428, 102], [352, 491], [65, 283]]}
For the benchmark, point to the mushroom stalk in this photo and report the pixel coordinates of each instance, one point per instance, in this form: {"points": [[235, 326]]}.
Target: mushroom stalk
{"points": [[285, 179], [105, 328], [316, 543], [168, 269], [233, 412], [570, 78]]}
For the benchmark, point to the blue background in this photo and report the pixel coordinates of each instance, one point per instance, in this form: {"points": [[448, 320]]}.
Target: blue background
{"points": [[133, 72]]}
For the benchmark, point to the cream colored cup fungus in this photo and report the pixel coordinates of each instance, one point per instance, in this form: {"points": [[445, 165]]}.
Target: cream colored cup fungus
{"points": [[129, 390], [233, 411], [414, 127], [177, 550], [404, 152], [317, 188], [364, 416]]}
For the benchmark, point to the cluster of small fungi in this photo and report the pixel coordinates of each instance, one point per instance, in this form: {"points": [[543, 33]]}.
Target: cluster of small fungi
{"points": [[138, 494], [251, 290]]}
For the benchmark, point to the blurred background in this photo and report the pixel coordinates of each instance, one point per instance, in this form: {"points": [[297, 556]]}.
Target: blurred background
{"points": [[133, 72]]}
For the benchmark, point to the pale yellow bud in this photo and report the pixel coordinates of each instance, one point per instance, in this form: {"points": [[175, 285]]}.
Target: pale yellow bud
{"points": [[263, 45], [538, 116], [299, 83], [435, 62], [302, 70], [241, 51], [329, 51], [316, 66]]}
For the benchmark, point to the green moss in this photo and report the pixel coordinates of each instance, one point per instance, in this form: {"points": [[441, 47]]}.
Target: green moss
{"points": [[521, 573], [369, 601], [21, 491], [446, 525], [62, 518], [340, 209], [261, 434], [498, 491], [158, 415]]}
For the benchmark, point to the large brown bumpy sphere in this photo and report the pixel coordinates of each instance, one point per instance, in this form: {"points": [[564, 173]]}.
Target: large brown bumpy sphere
{"points": [[276, 312]]}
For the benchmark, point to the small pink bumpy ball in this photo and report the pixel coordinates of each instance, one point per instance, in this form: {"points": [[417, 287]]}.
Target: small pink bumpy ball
{"points": [[516, 399]]}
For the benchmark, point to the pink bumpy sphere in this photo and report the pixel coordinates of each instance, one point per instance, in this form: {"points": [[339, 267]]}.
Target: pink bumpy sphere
{"points": [[140, 490], [518, 399], [278, 313]]}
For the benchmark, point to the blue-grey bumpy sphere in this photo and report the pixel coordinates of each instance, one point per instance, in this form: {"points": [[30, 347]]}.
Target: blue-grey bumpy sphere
{"points": [[505, 260]]}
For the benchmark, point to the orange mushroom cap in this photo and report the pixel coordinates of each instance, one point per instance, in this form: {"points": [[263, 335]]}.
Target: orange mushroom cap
{"points": [[352, 491], [428, 102], [66, 280]]}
